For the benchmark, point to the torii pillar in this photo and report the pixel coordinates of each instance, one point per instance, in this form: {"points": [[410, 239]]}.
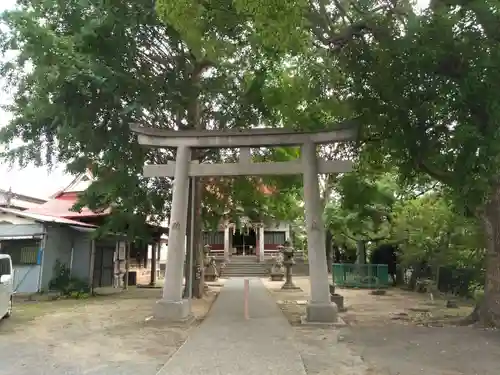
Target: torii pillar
{"points": [[172, 306], [320, 307]]}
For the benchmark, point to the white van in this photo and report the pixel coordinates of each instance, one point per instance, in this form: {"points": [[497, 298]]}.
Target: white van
{"points": [[6, 285]]}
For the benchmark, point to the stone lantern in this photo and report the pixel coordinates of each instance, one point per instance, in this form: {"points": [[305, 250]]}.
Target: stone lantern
{"points": [[288, 262]]}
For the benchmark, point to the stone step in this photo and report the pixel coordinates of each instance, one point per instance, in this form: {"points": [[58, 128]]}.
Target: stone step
{"points": [[245, 269], [225, 275], [243, 265], [246, 261]]}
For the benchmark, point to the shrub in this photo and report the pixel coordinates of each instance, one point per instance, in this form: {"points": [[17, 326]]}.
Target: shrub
{"points": [[67, 285]]}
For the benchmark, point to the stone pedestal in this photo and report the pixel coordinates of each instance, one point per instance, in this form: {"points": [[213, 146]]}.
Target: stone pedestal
{"points": [[277, 276], [338, 300], [321, 313], [211, 273], [290, 286], [172, 311]]}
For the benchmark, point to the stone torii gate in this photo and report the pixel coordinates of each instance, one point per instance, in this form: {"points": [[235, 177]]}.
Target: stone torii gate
{"points": [[172, 306]]}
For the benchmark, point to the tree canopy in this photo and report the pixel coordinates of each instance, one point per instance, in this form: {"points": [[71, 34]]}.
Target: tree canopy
{"points": [[422, 85], [82, 74]]}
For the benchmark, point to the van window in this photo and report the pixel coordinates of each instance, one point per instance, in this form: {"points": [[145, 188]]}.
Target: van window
{"points": [[5, 267]]}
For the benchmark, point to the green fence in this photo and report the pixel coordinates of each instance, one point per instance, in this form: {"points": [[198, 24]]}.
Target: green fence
{"points": [[361, 275]]}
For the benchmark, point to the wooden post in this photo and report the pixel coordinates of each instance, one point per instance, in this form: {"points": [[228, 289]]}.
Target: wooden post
{"points": [[91, 268], [246, 295], [127, 264], [153, 263]]}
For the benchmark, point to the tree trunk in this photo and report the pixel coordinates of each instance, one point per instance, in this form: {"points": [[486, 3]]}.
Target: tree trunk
{"points": [[488, 311], [127, 264], [329, 250], [360, 252], [189, 248], [197, 248], [154, 248], [199, 255], [194, 114]]}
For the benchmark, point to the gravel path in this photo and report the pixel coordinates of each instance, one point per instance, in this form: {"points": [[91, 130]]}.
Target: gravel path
{"points": [[94, 337], [397, 349], [226, 343]]}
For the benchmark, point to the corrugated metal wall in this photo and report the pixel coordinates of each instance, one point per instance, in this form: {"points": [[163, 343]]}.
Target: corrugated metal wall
{"points": [[26, 278]]}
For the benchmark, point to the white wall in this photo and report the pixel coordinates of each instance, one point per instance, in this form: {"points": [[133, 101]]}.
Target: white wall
{"points": [[278, 226], [281, 226], [163, 252]]}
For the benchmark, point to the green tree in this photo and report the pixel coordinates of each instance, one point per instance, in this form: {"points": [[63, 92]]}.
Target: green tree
{"points": [[424, 85], [362, 212], [439, 117], [434, 232], [82, 74]]}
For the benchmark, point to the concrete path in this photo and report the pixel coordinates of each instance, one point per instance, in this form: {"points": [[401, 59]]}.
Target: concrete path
{"points": [[227, 344]]}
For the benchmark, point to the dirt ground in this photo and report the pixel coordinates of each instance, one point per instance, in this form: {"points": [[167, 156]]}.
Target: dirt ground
{"points": [[101, 335], [394, 334]]}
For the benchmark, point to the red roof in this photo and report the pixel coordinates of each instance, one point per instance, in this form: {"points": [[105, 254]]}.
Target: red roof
{"points": [[45, 218], [62, 208], [62, 202]]}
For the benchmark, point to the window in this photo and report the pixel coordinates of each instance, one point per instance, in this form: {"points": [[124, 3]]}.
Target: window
{"points": [[22, 252], [29, 255], [274, 238], [213, 238], [5, 267]]}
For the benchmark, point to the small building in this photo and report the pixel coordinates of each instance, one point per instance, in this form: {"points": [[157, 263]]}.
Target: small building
{"points": [[252, 239], [60, 205], [36, 242], [22, 202]]}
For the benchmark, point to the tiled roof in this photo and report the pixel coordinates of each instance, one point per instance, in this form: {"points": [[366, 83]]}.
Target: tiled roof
{"points": [[45, 218], [62, 208]]}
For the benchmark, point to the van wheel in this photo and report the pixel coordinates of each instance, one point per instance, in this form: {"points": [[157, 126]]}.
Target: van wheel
{"points": [[9, 310]]}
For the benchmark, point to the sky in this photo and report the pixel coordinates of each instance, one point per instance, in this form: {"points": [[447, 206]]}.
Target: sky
{"points": [[36, 182]]}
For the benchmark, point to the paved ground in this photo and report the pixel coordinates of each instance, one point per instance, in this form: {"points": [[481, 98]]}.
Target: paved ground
{"points": [[100, 336], [228, 344]]}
